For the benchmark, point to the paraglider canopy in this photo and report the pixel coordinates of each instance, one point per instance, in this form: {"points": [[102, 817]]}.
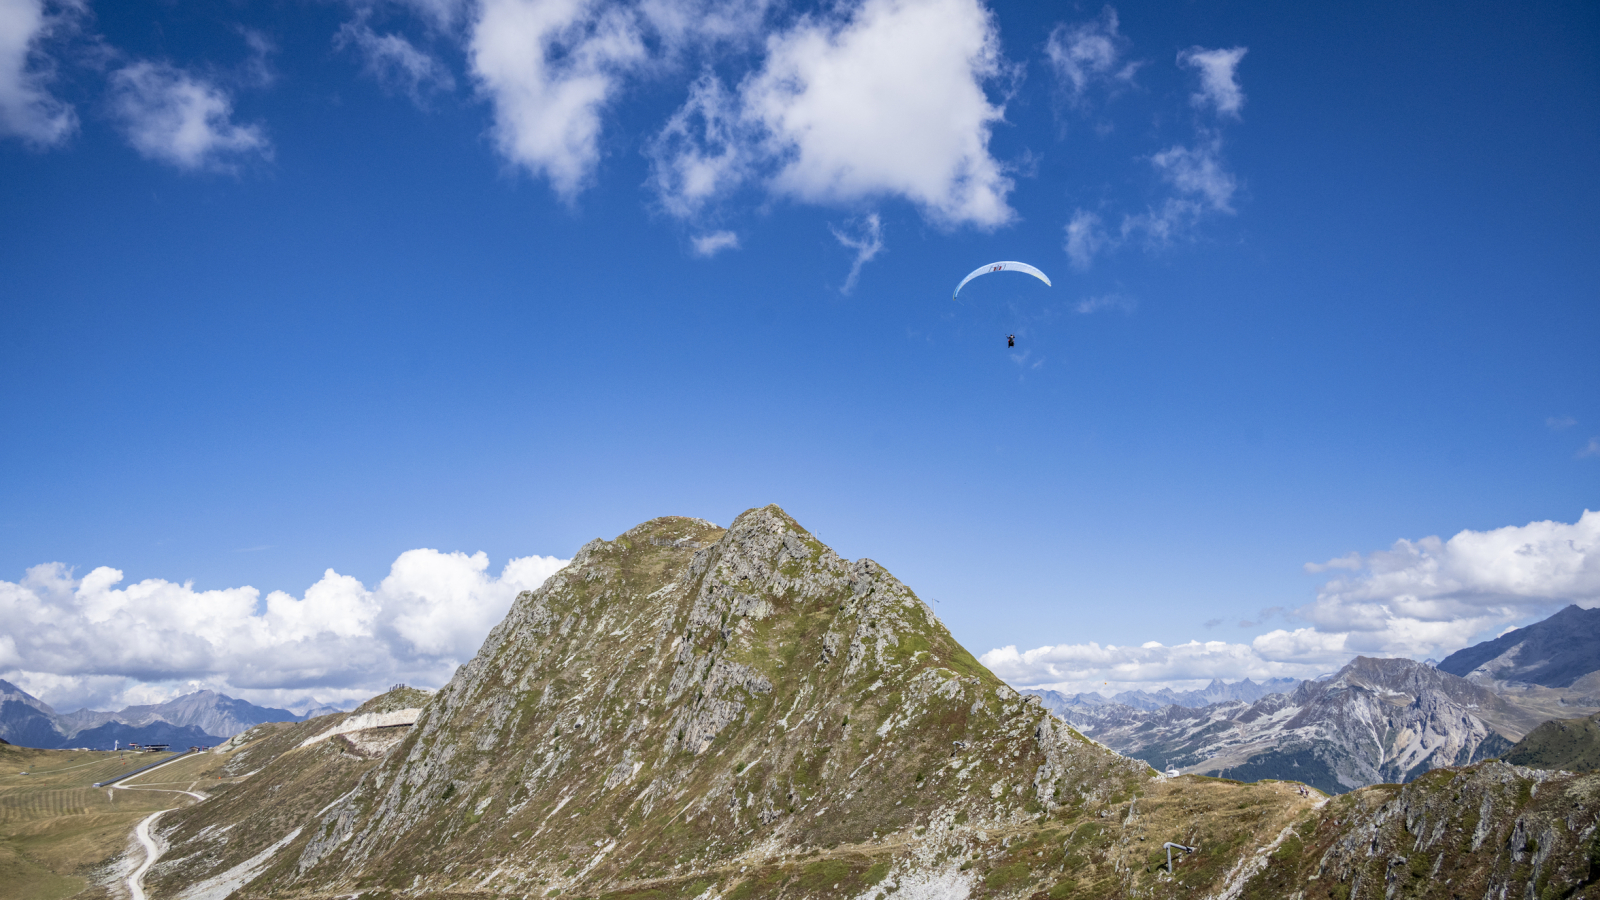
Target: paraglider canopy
{"points": [[1007, 266]]}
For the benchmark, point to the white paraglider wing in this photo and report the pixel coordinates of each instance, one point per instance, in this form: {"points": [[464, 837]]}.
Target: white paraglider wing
{"points": [[1007, 266]]}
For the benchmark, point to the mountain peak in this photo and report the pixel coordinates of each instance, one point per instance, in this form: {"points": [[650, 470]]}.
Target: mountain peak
{"points": [[687, 691], [1554, 652]]}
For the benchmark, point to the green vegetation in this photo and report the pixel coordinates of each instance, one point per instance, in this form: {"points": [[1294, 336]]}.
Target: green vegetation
{"points": [[1570, 744]]}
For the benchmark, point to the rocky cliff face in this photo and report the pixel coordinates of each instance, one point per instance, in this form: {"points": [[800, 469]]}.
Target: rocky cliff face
{"points": [[1375, 721], [687, 712]]}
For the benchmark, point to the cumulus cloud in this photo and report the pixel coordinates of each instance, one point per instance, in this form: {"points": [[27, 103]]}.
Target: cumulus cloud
{"points": [[92, 640], [1219, 84], [867, 242], [1150, 666], [180, 118], [549, 67], [27, 108], [883, 99], [1431, 596], [1089, 54], [709, 245], [888, 100], [395, 62], [1420, 598]]}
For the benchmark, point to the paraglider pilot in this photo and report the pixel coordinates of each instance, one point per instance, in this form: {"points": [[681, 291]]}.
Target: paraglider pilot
{"points": [[1011, 340]]}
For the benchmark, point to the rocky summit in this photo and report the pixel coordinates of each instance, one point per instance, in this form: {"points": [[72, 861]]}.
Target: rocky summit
{"points": [[693, 712]]}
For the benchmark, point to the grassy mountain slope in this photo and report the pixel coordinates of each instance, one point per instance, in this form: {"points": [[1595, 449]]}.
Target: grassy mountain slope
{"points": [[692, 712], [1571, 744]]}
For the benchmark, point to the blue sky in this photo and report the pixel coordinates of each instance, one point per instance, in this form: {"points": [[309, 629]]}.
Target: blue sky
{"points": [[301, 286]]}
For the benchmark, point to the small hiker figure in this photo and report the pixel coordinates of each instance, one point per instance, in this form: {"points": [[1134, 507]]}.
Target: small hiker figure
{"points": [[1011, 340]]}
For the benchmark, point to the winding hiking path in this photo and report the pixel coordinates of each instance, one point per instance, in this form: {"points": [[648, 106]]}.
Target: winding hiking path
{"points": [[152, 851], [151, 854]]}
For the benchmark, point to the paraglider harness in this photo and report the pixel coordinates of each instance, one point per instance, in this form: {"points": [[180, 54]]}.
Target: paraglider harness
{"points": [[1011, 340]]}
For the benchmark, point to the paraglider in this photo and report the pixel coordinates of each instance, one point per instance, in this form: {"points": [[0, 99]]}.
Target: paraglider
{"points": [[1005, 266], [1011, 340]]}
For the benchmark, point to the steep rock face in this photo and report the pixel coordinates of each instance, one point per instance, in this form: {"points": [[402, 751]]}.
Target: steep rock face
{"points": [[1377, 720], [1553, 653]]}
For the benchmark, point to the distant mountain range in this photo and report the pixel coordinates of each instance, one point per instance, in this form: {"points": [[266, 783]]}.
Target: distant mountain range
{"points": [[202, 718], [1218, 691], [1553, 653], [1376, 720]]}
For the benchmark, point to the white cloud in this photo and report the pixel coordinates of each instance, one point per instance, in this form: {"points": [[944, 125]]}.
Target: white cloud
{"points": [[1420, 599], [394, 62], [1197, 172], [882, 98], [1351, 561], [1430, 597], [1219, 86], [682, 23], [549, 67], [175, 117], [1088, 54], [1092, 667], [1590, 449], [887, 101], [1200, 184], [1119, 302], [1198, 181], [89, 641], [867, 243], [709, 245], [257, 70], [1085, 238], [27, 108], [1560, 423], [704, 150]]}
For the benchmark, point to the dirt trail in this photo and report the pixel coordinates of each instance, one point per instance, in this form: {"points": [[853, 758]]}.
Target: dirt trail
{"points": [[152, 851]]}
